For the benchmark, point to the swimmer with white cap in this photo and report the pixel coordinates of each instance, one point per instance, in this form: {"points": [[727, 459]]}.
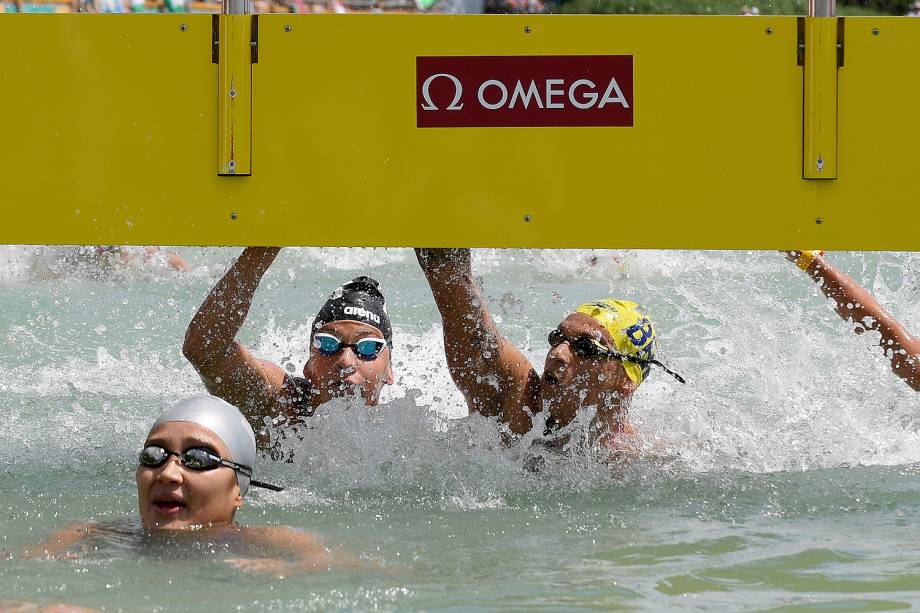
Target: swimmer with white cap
{"points": [[196, 465], [349, 346], [193, 472]]}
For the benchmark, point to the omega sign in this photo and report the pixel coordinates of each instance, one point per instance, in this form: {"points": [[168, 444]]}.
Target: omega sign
{"points": [[521, 91]]}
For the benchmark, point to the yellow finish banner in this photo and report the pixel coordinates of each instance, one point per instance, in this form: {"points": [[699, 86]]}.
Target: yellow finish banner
{"points": [[692, 138]]}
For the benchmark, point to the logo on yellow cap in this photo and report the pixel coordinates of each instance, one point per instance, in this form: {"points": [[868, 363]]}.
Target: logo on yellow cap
{"points": [[632, 331]]}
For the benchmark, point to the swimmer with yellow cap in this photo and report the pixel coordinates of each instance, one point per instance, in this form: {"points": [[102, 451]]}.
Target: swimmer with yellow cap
{"points": [[598, 356]]}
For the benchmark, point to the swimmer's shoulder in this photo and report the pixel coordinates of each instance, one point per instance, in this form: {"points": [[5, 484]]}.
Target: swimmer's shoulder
{"points": [[283, 537]]}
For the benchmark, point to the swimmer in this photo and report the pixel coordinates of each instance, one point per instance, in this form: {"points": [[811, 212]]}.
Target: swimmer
{"points": [[105, 256], [854, 303], [193, 474], [349, 347], [31, 607], [598, 357]]}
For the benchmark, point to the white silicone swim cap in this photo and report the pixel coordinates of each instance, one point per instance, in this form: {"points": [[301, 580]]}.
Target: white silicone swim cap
{"points": [[224, 420]]}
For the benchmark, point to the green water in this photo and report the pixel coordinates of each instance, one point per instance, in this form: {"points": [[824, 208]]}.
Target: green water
{"points": [[785, 474]]}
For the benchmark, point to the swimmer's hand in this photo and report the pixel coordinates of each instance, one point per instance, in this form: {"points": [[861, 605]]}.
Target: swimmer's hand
{"points": [[804, 258], [281, 568], [439, 261], [47, 554]]}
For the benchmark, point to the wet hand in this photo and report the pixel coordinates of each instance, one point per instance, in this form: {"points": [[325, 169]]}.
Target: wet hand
{"points": [[260, 565], [438, 260]]}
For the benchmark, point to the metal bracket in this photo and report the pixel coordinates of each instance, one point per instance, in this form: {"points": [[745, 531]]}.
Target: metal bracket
{"points": [[237, 49], [820, 51]]}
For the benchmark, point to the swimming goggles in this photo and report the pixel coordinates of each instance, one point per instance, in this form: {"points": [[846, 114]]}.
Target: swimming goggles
{"points": [[366, 348], [585, 347], [197, 459]]}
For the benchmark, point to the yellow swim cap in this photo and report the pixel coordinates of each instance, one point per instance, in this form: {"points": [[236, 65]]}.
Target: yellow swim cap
{"points": [[632, 332]]}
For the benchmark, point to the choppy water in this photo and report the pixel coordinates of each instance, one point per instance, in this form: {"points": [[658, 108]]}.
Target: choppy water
{"points": [[786, 473]]}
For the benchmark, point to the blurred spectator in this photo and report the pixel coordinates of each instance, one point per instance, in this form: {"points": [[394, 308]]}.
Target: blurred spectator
{"points": [[750, 10], [110, 6], [914, 9], [455, 7], [514, 6]]}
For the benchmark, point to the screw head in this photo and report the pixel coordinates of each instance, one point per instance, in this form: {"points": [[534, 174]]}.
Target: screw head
{"points": [[287, 28], [233, 93], [527, 218], [183, 27], [876, 31], [233, 216], [769, 30], [819, 221], [527, 30]]}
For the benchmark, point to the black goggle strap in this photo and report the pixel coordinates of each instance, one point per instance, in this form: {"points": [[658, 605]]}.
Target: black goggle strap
{"points": [[268, 486], [644, 362], [602, 350], [245, 470]]}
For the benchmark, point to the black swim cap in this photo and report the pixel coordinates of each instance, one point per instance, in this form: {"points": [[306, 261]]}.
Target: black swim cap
{"points": [[358, 300]]}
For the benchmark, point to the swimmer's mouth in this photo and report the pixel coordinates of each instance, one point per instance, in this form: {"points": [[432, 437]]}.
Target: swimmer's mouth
{"points": [[551, 379], [168, 506]]}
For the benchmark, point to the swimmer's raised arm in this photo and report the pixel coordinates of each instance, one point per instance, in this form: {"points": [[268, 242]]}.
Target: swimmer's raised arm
{"points": [[494, 376], [228, 368], [854, 302]]}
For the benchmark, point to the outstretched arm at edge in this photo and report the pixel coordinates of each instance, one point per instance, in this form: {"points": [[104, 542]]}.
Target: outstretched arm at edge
{"points": [[57, 545], [227, 367], [493, 374], [854, 302]]}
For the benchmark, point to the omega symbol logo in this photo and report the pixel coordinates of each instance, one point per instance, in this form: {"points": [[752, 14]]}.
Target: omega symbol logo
{"points": [[429, 105]]}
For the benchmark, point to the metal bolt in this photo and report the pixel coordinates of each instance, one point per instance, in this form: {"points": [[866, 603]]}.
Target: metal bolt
{"points": [[527, 218], [287, 28], [769, 30], [527, 30], [233, 216], [820, 163], [819, 221], [875, 31], [233, 93], [183, 27]]}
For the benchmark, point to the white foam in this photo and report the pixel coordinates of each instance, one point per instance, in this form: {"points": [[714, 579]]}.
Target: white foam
{"points": [[775, 380]]}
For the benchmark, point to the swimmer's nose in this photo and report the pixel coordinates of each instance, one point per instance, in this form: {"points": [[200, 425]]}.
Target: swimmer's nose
{"points": [[346, 361], [170, 473], [561, 352], [558, 360]]}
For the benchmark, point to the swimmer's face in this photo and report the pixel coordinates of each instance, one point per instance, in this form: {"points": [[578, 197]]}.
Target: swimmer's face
{"points": [[344, 373], [571, 382], [173, 497]]}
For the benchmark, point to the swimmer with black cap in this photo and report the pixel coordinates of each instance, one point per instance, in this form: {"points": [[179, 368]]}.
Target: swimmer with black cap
{"points": [[598, 357], [194, 471], [349, 347]]}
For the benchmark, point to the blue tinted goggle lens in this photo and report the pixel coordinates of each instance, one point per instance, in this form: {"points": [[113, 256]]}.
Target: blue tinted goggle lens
{"points": [[327, 344], [369, 347], [366, 348]]}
